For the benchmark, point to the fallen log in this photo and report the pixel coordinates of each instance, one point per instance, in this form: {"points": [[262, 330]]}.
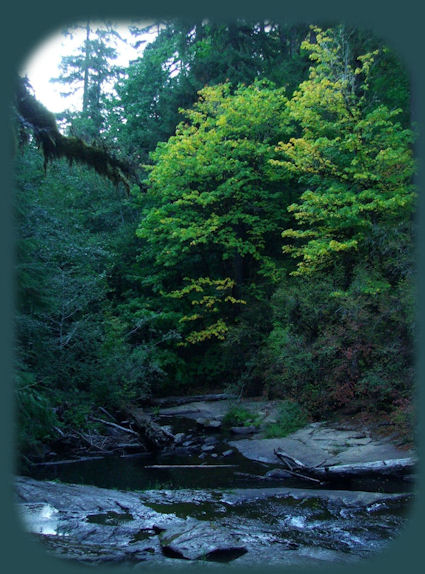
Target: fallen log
{"points": [[107, 413], [67, 461], [249, 476], [394, 468], [152, 434], [128, 445]]}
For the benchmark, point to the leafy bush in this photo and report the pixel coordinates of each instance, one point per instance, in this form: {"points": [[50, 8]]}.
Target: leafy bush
{"points": [[403, 418], [291, 417], [240, 416]]}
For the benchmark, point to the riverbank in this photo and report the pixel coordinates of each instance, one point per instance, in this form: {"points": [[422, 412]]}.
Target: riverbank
{"points": [[342, 441], [220, 494]]}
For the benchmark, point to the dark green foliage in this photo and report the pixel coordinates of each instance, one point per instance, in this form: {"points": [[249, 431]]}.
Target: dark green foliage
{"points": [[186, 57], [238, 416], [69, 222], [341, 349], [290, 418], [36, 415]]}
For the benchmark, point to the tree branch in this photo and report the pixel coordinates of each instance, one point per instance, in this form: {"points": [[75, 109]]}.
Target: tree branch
{"points": [[32, 114]]}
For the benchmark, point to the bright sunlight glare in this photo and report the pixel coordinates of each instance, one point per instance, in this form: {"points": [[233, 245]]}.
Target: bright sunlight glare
{"points": [[43, 64]]}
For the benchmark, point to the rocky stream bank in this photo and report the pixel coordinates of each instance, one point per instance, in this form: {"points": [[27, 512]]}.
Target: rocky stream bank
{"points": [[219, 495]]}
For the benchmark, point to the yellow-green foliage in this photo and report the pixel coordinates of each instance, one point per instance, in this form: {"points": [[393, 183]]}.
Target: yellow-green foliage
{"points": [[356, 162], [208, 297]]}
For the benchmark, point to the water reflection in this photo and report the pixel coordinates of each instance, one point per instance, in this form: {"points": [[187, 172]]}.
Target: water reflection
{"points": [[40, 518]]}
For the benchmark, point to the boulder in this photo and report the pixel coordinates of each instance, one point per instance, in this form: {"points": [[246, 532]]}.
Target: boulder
{"points": [[198, 541], [208, 424], [211, 440], [179, 438]]}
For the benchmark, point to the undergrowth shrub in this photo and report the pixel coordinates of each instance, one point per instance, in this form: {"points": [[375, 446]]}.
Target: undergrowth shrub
{"points": [[240, 416], [291, 417]]}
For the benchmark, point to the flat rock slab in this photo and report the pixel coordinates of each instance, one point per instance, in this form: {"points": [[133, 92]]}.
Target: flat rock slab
{"points": [[80, 514], [198, 410], [79, 498], [217, 409], [318, 444], [182, 400]]}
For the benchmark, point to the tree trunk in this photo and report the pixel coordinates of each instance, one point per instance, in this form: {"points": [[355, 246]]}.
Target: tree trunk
{"points": [[86, 70]]}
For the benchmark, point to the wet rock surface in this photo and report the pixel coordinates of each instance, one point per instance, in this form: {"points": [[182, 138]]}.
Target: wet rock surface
{"points": [[244, 526]]}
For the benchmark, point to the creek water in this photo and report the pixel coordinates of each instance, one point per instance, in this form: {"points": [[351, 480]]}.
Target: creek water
{"points": [[319, 527], [140, 471], [133, 473]]}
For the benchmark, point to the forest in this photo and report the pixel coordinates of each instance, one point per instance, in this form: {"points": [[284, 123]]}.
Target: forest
{"points": [[237, 214]]}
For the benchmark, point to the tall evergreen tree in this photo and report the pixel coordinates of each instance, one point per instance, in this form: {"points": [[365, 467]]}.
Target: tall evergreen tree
{"points": [[88, 71]]}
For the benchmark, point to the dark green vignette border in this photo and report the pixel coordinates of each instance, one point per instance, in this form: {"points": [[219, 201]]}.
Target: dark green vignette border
{"points": [[24, 25]]}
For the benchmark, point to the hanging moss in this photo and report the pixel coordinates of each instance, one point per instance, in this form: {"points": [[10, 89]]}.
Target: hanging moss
{"points": [[32, 114]]}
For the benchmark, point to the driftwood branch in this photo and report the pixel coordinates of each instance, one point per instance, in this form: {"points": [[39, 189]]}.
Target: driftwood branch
{"points": [[390, 468], [107, 413], [93, 442], [114, 425], [68, 461]]}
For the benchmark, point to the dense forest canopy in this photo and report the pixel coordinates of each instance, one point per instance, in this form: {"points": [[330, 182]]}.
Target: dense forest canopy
{"points": [[254, 231]]}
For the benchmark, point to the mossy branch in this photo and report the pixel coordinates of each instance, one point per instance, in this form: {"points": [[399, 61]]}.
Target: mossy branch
{"points": [[32, 114]]}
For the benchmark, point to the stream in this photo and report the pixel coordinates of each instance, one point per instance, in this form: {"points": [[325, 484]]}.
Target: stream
{"points": [[231, 513]]}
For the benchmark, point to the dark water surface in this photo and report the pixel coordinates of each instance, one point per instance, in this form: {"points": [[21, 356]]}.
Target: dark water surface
{"points": [[132, 472]]}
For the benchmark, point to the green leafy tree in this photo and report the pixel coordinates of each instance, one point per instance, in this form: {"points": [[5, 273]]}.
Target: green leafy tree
{"points": [[186, 56], [216, 208], [355, 162], [348, 340], [240, 143]]}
